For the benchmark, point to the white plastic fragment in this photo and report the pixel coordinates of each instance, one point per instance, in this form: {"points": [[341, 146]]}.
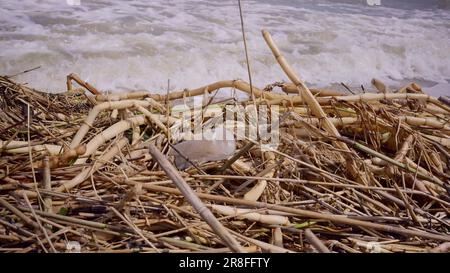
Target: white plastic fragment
{"points": [[373, 247], [215, 144], [73, 247]]}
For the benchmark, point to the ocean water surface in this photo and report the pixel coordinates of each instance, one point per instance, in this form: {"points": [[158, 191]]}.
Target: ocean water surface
{"points": [[138, 44]]}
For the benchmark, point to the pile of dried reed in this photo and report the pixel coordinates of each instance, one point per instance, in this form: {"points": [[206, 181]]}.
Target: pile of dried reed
{"points": [[352, 173]]}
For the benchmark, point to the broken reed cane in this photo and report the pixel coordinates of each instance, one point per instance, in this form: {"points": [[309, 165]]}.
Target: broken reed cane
{"points": [[313, 104], [194, 200], [316, 242], [47, 183], [302, 89], [78, 80]]}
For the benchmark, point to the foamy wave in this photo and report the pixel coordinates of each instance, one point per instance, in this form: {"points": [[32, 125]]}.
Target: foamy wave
{"points": [[125, 45]]}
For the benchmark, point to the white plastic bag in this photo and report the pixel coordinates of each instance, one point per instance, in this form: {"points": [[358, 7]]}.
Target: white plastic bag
{"points": [[215, 144]]}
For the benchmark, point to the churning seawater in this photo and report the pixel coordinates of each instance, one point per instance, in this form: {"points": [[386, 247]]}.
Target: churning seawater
{"points": [[126, 45]]}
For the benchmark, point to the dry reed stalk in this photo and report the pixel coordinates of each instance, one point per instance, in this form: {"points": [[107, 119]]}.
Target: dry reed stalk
{"points": [[380, 86], [260, 176], [112, 131], [313, 104], [437, 106], [291, 88], [64, 158], [410, 88], [265, 246], [341, 112], [86, 85], [19, 214], [85, 173], [401, 154], [437, 161], [242, 167], [191, 196], [47, 184], [256, 191], [363, 148], [301, 87], [318, 245], [431, 122], [367, 97], [135, 95], [434, 110], [153, 118], [21, 147], [89, 121], [444, 141], [252, 216], [138, 232], [82, 176], [114, 229], [250, 180], [39, 223], [338, 122], [277, 237], [248, 249], [237, 84], [16, 229]]}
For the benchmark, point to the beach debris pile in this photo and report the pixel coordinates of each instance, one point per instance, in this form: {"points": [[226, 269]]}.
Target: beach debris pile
{"points": [[89, 171]]}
